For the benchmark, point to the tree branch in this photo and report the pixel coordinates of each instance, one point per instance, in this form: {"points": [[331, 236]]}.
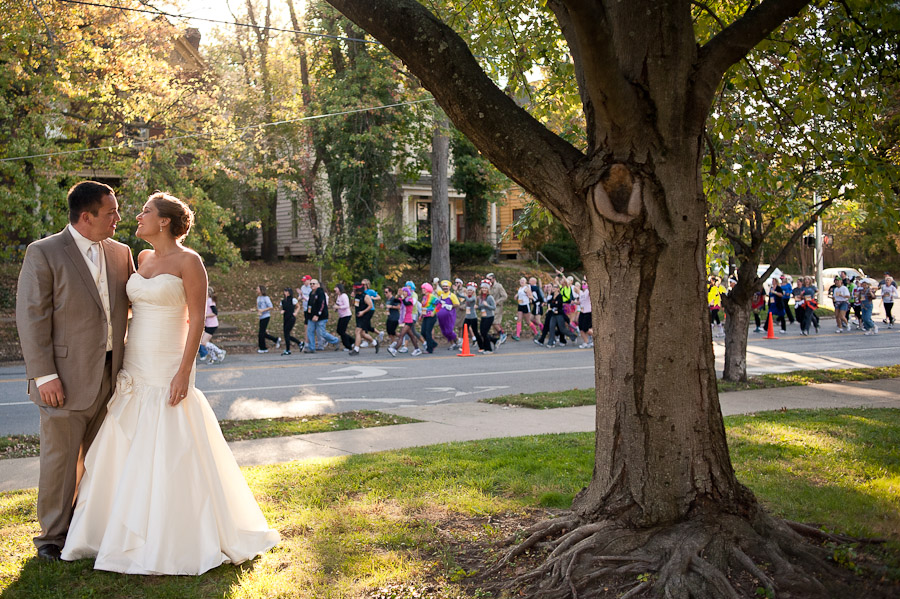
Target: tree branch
{"points": [[506, 134], [604, 83], [782, 254], [737, 242], [565, 24], [734, 42]]}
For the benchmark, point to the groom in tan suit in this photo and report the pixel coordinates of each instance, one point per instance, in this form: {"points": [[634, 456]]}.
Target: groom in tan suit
{"points": [[71, 312]]}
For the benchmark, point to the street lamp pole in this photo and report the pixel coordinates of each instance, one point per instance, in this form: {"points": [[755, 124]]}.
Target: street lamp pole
{"points": [[820, 262]]}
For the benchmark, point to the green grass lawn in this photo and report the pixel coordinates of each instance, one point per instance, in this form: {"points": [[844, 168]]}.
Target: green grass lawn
{"points": [[240, 430], [546, 400], [583, 397], [26, 446], [395, 524], [812, 377]]}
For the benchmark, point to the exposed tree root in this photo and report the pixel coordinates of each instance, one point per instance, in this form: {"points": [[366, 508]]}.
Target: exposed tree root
{"points": [[534, 534], [813, 532], [706, 557]]}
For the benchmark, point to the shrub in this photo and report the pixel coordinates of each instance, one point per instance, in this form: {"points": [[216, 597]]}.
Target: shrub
{"points": [[418, 251], [470, 252], [363, 256], [563, 252], [461, 254]]}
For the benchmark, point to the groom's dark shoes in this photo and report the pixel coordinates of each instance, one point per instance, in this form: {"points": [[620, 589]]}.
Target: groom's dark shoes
{"points": [[49, 553]]}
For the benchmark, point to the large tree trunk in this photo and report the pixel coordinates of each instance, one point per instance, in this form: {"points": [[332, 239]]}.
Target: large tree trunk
{"points": [[476, 231], [663, 497], [660, 445], [440, 201]]}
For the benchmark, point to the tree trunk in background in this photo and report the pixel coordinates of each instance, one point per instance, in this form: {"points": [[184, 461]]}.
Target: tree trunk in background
{"points": [[440, 201], [736, 305], [475, 217], [268, 198], [476, 232], [393, 204], [270, 226]]}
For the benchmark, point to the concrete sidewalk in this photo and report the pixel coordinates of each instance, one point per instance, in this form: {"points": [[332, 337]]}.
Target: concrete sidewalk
{"points": [[473, 421]]}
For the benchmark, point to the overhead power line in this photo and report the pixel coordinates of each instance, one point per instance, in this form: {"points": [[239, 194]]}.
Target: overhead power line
{"points": [[162, 13], [132, 143]]}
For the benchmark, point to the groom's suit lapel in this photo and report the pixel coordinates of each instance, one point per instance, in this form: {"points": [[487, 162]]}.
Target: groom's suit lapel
{"points": [[113, 272], [71, 249]]}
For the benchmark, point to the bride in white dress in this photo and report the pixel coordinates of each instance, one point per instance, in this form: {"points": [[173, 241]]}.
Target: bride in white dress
{"points": [[162, 493]]}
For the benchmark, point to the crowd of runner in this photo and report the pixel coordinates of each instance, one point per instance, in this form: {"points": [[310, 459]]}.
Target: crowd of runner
{"points": [[556, 313], [418, 318], [790, 303]]}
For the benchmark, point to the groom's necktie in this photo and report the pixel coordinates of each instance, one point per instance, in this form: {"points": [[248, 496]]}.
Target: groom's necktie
{"points": [[94, 254]]}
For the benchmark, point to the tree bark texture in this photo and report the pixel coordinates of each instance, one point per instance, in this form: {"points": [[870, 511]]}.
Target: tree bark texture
{"points": [[475, 217], [660, 446], [440, 201], [736, 303]]}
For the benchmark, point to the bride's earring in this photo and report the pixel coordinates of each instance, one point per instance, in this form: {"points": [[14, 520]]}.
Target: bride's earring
{"points": [[160, 228]]}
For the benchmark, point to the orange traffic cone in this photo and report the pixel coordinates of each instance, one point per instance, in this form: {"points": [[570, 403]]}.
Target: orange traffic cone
{"points": [[771, 333], [465, 346]]}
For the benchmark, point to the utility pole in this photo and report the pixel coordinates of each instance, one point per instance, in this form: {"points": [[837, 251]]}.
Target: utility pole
{"points": [[820, 262]]}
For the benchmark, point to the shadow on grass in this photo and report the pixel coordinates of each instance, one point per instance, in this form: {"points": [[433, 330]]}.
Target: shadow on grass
{"points": [[38, 580], [368, 521]]}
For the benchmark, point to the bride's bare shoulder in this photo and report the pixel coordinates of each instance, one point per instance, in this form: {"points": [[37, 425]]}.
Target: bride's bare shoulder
{"points": [[189, 251], [143, 255], [191, 264]]}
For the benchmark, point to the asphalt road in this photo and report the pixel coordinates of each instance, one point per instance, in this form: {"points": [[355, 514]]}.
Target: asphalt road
{"points": [[269, 385]]}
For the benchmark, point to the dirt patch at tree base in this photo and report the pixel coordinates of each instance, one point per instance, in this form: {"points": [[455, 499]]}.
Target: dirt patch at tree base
{"points": [[473, 548]]}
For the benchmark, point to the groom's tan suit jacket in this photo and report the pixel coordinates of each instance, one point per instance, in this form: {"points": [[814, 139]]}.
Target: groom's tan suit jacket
{"points": [[61, 320]]}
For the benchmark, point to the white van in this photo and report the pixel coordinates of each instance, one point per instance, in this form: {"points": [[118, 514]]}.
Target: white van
{"points": [[828, 274]]}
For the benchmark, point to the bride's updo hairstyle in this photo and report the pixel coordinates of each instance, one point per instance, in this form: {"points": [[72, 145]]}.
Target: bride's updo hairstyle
{"points": [[180, 216]]}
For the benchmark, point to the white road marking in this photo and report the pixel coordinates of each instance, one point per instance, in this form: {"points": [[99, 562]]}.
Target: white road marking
{"points": [[408, 378], [362, 372]]}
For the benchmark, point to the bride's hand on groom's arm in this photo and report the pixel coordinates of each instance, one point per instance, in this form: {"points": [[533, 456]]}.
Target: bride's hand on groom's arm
{"points": [[178, 388]]}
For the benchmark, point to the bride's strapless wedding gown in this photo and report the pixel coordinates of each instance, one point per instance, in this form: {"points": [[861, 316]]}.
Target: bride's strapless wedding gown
{"points": [[162, 493]]}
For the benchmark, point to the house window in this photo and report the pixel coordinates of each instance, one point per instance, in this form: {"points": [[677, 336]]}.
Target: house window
{"points": [[516, 213]]}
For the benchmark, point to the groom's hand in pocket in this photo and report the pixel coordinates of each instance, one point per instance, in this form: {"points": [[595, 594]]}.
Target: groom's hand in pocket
{"points": [[52, 393]]}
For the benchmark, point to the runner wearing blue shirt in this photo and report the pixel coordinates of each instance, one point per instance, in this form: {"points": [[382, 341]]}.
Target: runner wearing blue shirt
{"points": [[375, 297], [787, 289]]}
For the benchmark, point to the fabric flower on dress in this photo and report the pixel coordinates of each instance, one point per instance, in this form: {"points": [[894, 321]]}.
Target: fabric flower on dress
{"points": [[122, 409], [124, 382]]}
